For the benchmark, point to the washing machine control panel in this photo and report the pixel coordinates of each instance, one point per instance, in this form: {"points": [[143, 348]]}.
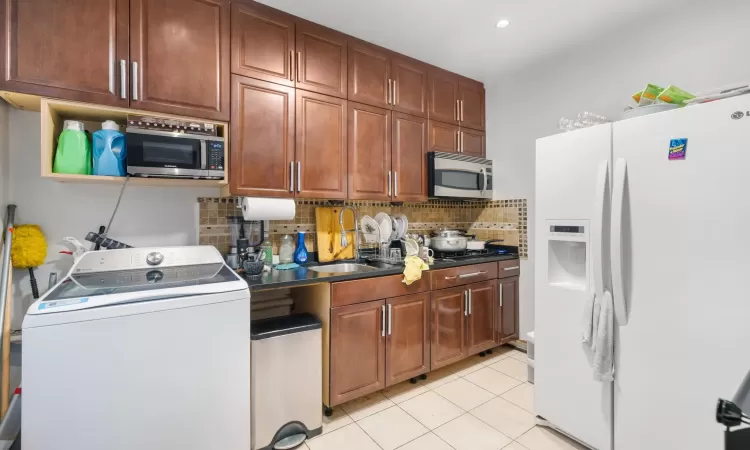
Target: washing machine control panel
{"points": [[146, 257]]}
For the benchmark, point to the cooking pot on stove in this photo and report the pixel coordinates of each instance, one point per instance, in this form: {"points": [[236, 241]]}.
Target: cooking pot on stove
{"points": [[448, 241]]}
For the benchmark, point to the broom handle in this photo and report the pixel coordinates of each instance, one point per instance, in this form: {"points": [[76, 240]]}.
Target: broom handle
{"points": [[5, 281], [5, 367]]}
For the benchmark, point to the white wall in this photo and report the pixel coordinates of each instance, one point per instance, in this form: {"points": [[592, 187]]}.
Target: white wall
{"points": [[148, 216], [700, 48]]}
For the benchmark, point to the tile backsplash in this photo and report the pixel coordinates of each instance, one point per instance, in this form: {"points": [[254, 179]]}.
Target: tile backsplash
{"points": [[499, 219]]}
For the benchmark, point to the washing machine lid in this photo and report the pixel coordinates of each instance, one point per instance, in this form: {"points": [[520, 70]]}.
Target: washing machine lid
{"points": [[115, 277]]}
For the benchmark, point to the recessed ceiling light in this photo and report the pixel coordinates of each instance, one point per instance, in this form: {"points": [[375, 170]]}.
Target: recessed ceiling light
{"points": [[503, 23]]}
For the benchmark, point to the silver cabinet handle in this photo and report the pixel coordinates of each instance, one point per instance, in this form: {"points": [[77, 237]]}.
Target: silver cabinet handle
{"points": [[382, 321], [393, 93], [458, 149], [291, 65], [512, 268], [462, 110], [299, 58], [123, 81], [291, 176], [390, 319], [395, 184], [500, 287], [135, 80], [458, 107], [388, 94], [470, 301], [473, 274], [389, 183], [299, 176], [461, 141]]}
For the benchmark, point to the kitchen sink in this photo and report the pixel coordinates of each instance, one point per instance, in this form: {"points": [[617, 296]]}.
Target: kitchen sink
{"points": [[343, 268]]}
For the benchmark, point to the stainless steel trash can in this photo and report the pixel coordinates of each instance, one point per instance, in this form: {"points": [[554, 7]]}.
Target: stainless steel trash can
{"points": [[287, 381]]}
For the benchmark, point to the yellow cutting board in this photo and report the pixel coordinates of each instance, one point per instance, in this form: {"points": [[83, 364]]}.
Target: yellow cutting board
{"points": [[328, 234]]}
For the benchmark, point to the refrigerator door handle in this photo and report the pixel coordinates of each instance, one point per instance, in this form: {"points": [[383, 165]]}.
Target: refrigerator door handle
{"points": [[618, 197], [597, 235]]}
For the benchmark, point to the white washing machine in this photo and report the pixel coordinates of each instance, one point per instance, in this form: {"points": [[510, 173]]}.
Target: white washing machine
{"points": [[141, 348]]}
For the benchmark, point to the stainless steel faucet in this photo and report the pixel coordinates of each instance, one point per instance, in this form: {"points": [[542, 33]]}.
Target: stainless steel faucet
{"points": [[344, 241]]}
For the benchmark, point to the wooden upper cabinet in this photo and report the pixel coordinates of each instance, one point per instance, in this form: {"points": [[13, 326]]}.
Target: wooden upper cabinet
{"points": [[369, 152], [262, 42], [443, 96], [369, 74], [407, 347], [262, 138], [448, 343], [442, 137], [471, 95], [410, 86], [71, 49], [472, 142], [321, 64], [483, 302], [179, 51], [321, 146], [409, 158], [507, 325], [357, 351]]}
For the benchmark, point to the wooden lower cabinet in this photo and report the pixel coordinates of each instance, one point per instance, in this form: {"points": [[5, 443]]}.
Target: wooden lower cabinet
{"points": [[507, 317], [357, 351], [448, 343], [482, 317], [407, 347]]}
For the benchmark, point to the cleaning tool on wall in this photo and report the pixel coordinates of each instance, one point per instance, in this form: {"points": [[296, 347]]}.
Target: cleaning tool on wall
{"points": [[28, 251]]}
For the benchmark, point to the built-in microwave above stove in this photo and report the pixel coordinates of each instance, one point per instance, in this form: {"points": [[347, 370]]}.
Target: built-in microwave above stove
{"points": [[174, 149], [455, 175]]}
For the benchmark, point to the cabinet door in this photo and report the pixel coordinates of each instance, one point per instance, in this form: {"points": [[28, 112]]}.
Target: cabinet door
{"points": [[471, 94], [369, 152], [443, 100], [483, 299], [369, 74], [409, 158], [321, 146], [508, 302], [179, 51], [70, 49], [262, 141], [262, 43], [410, 86], [407, 348], [442, 137], [448, 343], [357, 351], [472, 142], [321, 59]]}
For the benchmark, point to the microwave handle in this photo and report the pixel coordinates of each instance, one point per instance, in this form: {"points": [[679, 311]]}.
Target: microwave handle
{"points": [[483, 171], [203, 154]]}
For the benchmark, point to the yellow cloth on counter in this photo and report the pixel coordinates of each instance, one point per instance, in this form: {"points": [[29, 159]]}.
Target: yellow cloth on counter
{"points": [[413, 270]]}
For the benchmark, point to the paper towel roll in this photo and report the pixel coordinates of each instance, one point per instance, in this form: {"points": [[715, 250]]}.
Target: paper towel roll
{"points": [[254, 208]]}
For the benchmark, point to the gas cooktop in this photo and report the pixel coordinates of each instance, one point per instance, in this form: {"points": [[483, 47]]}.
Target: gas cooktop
{"points": [[467, 254]]}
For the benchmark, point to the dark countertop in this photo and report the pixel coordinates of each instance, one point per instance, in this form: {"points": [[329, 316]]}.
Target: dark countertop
{"points": [[301, 276]]}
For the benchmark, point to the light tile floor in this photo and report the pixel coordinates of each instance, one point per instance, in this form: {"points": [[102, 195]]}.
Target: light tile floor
{"points": [[476, 404]]}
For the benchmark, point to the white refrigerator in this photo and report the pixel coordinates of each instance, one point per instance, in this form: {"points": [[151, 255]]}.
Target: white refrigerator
{"points": [[655, 210]]}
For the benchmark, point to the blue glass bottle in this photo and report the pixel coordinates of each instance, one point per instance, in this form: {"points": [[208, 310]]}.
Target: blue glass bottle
{"points": [[300, 253]]}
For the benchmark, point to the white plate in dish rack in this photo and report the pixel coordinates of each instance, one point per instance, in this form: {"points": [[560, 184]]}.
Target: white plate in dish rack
{"points": [[386, 226], [401, 224], [370, 229]]}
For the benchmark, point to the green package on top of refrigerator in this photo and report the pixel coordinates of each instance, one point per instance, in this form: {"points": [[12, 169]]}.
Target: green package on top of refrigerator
{"points": [[675, 95]]}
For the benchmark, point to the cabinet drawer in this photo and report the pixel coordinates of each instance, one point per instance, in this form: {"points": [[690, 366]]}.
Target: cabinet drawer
{"points": [[510, 268], [458, 276], [358, 291]]}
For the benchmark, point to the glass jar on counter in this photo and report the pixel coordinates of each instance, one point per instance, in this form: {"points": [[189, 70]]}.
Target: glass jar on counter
{"points": [[286, 249]]}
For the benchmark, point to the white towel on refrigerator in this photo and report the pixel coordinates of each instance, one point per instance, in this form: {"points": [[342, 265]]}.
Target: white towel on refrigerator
{"points": [[590, 320], [604, 339]]}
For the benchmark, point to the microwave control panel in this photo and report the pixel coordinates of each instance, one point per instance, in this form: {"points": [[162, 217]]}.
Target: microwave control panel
{"points": [[215, 155]]}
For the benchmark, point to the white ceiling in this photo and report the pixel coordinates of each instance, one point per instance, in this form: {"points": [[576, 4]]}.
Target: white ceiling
{"points": [[461, 35]]}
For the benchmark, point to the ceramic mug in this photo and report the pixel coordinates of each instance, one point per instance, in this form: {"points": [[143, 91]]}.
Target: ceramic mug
{"points": [[426, 253]]}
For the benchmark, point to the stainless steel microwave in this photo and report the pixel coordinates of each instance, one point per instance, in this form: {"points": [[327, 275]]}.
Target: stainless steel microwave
{"points": [[174, 154], [455, 175]]}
